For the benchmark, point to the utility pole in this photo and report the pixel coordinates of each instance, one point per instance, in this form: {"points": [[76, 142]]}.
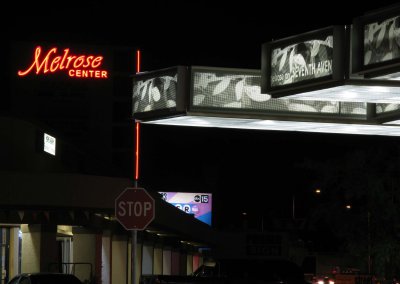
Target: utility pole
{"points": [[369, 242]]}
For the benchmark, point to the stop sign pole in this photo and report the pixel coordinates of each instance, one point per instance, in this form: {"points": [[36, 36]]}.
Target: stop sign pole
{"points": [[134, 210]]}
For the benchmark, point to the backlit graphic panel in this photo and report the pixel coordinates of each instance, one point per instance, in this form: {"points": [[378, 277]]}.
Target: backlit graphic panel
{"points": [[227, 90], [382, 41], [302, 61], [198, 204], [155, 93], [221, 90]]}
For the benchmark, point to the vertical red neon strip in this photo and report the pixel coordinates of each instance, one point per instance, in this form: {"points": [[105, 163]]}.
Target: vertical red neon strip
{"points": [[138, 55], [137, 140]]}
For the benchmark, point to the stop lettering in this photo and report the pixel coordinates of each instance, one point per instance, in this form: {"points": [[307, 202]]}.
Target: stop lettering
{"points": [[134, 209]]}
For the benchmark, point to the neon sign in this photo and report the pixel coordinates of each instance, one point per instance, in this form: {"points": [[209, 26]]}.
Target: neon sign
{"points": [[76, 66]]}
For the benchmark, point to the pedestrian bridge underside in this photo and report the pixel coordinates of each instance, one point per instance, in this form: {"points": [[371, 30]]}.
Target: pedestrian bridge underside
{"points": [[232, 98]]}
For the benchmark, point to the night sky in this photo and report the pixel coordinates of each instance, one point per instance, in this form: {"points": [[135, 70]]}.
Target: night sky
{"points": [[246, 170], [208, 33]]}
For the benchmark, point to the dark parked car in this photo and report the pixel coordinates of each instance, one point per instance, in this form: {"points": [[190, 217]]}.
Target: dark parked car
{"points": [[236, 271], [45, 278], [255, 271]]}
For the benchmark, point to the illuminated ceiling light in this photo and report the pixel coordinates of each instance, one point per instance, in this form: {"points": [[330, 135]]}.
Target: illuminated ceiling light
{"points": [[354, 93], [348, 206], [393, 76], [393, 122], [278, 125], [317, 191]]}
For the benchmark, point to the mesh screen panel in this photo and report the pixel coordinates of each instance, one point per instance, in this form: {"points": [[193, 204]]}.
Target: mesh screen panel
{"points": [[217, 90], [385, 108], [155, 93], [353, 108]]}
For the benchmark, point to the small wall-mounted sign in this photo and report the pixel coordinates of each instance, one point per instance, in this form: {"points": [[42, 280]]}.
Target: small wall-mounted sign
{"points": [[49, 144]]}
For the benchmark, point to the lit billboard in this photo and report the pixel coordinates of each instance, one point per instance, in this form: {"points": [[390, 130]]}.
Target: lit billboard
{"points": [[376, 43], [198, 204], [301, 61], [305, 62]]}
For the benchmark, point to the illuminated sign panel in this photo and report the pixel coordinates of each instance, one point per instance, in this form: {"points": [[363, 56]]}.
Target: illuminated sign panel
{"points": [[376, 44], [75, 65], [382, 41], [198, 204], [306, 62], [160, 93], [49, 144], [301, 61]]}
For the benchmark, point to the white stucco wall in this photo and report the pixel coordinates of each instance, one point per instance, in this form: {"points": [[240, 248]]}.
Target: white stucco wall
{"points": [[30, 260]]}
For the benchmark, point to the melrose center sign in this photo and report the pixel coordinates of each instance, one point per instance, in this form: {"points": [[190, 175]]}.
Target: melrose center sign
{"points": [[58, 61]]}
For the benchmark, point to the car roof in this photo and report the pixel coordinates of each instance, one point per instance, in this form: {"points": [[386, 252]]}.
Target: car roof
{"points": [[49, 276]]}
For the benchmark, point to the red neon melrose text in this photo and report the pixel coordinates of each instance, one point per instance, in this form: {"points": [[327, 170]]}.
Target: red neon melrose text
{"points": [[79, 66]]}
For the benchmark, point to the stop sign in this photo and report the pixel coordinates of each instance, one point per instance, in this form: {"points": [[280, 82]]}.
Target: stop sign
{"points": [[134, 208]]}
